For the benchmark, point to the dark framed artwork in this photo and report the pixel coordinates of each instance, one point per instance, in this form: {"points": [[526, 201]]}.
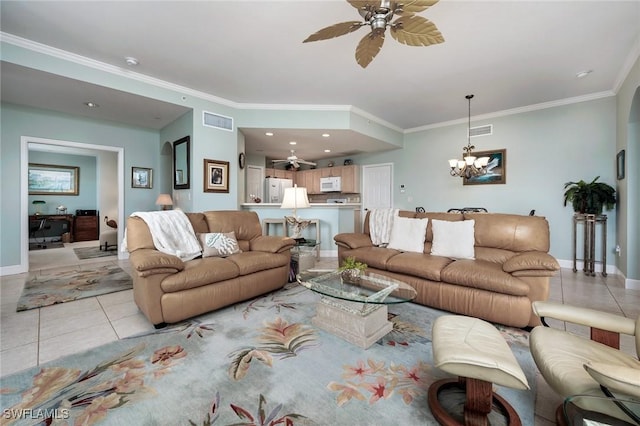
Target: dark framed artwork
{"points": [[496, 169], [216, 176], [49, 179], [620, 164], [141, 177]]}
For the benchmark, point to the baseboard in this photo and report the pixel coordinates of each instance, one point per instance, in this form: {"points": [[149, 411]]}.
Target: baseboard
{"points": [[328, 253], [631, 284], [11, 270], [568, 264]]}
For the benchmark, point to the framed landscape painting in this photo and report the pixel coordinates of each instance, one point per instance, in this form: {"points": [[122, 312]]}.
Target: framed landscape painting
{"points": [[49, 179], [496, 169]]}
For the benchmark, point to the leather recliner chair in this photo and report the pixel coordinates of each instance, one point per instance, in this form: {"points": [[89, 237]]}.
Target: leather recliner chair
{"points": [[605, 377]]}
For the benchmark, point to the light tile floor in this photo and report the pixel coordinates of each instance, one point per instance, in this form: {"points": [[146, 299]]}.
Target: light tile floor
{"points": [[33, 337]]}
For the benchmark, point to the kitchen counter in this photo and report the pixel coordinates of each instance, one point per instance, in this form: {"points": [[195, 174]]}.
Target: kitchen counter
{"points": [[334, 218]]}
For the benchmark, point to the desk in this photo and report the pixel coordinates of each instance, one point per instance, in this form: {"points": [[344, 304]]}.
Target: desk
{"points": [[58, 224], [589, 244]]}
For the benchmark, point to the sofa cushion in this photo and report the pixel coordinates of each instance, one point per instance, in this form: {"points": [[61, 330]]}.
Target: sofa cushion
{"points": [[451, 217], [218, 244], [419, 265], [511, 232], [376, 257], [249, 262], [453, 239], [198, 222], [199, 272], [245, 224], [483, 275], [408, 234], [493, 254]]}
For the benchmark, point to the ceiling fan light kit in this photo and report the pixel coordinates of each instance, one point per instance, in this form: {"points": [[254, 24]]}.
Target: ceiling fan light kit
{"points": [[294, 161], [469, 166], [408, 28]]}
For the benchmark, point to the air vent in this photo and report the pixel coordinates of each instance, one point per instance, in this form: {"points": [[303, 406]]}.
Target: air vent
{"points": [[481, 130], [218, 121]]}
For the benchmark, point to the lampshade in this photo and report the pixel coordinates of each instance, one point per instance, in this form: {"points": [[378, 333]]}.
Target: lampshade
{"points": [[295, 198], [164, 200]]}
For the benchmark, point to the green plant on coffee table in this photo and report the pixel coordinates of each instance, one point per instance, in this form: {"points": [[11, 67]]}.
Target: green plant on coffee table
{"points": [[351, 268]]}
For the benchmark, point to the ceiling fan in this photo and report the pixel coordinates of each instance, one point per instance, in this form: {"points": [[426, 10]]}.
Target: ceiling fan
{"points": [[294, 160], [408, 28]]}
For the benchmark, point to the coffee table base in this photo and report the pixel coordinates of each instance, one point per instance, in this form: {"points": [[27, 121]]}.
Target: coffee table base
{"points": [[357, 323]]}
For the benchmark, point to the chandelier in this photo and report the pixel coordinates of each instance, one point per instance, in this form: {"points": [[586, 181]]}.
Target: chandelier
{"points": [[469, 166]]}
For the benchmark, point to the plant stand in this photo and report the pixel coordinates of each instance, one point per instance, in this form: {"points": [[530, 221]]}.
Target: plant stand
{"points": [[589, 244]]}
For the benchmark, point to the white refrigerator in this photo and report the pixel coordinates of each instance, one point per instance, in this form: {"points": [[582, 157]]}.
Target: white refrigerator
{"points": [[274, 189]]}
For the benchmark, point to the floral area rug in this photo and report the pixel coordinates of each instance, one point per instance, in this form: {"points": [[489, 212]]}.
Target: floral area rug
{"points": [[45, 290], [256, 363], [93, 252]]}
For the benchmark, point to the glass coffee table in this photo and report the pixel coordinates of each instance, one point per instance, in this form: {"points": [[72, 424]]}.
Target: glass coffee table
{"points": [[355, 311]]}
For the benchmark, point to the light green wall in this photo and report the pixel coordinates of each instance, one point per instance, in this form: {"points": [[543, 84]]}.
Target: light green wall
{"points": [[545, 149], [141, 146], [87, 183]]}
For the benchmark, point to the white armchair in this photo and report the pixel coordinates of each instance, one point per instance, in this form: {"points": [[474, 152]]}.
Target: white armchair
{"points": [[573, 365]]}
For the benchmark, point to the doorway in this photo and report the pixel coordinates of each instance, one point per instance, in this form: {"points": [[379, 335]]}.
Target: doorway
{"points": [[377, 184], [25, 141]]}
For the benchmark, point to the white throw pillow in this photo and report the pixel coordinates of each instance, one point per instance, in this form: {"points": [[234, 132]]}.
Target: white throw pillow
{"points": [[453, 239], [408, 234], [216, 244]]}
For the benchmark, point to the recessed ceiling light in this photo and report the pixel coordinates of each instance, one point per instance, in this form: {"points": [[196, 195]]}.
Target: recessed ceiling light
{"points": [[269, 133], [131, 61], [293, 143], [583, 74], [91, 104], [325, 135], [327, 150]]}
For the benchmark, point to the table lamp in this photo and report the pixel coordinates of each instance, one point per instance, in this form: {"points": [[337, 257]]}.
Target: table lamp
{"points": [[296, 198], [165, 201]]}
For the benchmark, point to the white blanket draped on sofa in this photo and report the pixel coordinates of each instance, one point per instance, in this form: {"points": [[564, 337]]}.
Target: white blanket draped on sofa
{"points": [[172, 233], [380, 224]]}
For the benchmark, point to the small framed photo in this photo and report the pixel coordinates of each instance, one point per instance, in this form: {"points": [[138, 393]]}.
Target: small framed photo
{"points": [[216, 176], [620, 164], [496, 169], [141, 177]]}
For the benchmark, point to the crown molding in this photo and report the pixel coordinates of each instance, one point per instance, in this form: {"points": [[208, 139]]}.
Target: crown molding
{"points": [[628, 64], [519, 110], [123, 72]]}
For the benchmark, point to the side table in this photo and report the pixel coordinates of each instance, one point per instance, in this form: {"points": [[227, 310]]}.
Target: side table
{"points": [[302, 257], [589, 244]]}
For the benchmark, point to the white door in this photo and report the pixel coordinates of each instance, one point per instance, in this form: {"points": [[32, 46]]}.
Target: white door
{"points": [[377, 184], [255, 183]]}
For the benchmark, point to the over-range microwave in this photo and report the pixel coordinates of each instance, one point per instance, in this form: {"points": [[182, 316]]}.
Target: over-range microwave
{"points": [[331, 184]]}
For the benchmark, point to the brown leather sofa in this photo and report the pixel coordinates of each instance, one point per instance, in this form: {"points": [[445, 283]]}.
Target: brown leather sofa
{"points": [[511, 268], [168, 290]]}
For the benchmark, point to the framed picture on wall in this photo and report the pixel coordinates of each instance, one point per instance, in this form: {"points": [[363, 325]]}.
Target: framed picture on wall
{"points": [[620, 164], [216, 176], [496, 169], [141, 177], [49, 179]]}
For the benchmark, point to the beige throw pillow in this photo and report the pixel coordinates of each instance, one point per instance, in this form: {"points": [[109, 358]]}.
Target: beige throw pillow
{"points": [[453, 239], [408, 234], [217, 244]]}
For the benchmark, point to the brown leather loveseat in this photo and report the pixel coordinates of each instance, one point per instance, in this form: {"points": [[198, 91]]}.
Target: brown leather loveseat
{"points": [[511, 268], [168, 290]]}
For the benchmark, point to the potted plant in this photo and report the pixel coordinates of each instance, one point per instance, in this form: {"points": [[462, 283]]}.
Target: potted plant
{"points": [[589, 198], [351, 269]]}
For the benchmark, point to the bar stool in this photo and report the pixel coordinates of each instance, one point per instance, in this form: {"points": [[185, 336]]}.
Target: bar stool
{"points": [[279, 221]]}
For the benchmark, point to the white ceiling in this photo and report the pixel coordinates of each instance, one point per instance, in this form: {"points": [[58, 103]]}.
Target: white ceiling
{"points": [[510, 54]]}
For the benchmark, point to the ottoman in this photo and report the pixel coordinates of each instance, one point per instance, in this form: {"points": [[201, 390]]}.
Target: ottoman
{"points": [[475, 351], [108, 239]]}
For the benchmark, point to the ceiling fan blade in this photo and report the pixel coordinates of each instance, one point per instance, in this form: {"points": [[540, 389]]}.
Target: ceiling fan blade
{"points": [[409, 7], [365, 7], [295, 164], [368, 48], [334, 31], [279, 161], [309, 163], [415, 30]]}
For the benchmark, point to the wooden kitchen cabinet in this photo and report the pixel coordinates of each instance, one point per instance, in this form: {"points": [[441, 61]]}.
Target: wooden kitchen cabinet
{"points": [[350, 179], [279, 173]]}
